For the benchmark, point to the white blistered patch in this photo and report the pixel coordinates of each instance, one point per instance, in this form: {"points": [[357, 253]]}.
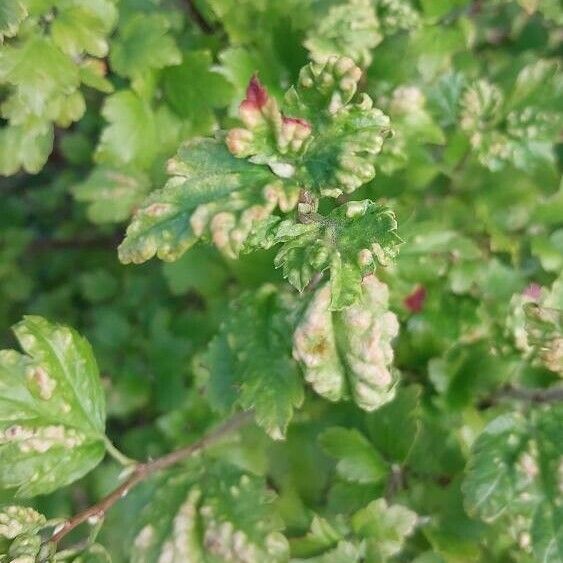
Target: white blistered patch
{"points": [[40, 381], [41, 439], [349, 351]]}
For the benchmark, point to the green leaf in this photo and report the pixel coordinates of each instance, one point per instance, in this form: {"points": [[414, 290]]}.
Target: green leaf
{"points": [[358, 461], [493, 478], [52, 413], [348, 353], [211, 195], [112, 194], [212, 514], [40, 74], [547, 533], [19, 533], [250, 361], [394, 427], [349, 241], [384, 527], [194, 90], [80, 27], [143, 44], [131, 136], [12, 13], [27, 146]]}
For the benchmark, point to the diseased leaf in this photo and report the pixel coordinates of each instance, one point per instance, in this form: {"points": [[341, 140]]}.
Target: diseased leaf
{"points": [[19, 533], [213, 514], [347, 354], [250, 362], [358, 461], [351, 29], [52, 413], [212, 195], [349, 241]]}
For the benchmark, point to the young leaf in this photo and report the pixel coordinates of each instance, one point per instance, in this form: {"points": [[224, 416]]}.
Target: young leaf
{"points": [[207, 89], [547, 533], [250, 361], [131, 136], [144, 44], [52, 413], [358, 461], [349, 241], [348, 353], [212, 514], [19, 533], [83, 28], [211, 195]]}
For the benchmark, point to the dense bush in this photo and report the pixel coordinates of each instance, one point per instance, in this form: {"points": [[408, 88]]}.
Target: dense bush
{"points": [[351, 348]]}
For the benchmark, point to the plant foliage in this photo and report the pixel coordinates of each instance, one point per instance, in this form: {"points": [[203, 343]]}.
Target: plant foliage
{"points": [[350, 345]]}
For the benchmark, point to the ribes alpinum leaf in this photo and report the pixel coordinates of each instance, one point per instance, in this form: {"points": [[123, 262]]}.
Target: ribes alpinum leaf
{"points": [[52, 413], [19, 533]]}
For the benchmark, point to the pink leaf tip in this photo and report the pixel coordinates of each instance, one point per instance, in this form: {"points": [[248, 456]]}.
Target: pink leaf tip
{"points": [[414, 302], [256, 94], [533, 291]]}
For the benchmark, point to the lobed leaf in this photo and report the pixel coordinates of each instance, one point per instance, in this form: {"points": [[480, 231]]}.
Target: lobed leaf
{"points": [[349, 242], [250, 362]]}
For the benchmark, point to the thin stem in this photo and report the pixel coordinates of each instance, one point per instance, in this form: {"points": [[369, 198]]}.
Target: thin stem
{"points": [[117, 455], [144, 470]]}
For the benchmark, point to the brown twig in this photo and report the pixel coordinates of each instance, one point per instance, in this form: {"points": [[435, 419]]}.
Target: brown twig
{"points": [[144, 470], [531, 395]]}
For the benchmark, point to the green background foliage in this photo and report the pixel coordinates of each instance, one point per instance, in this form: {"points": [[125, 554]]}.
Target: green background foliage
{"points": [[413, 416]]}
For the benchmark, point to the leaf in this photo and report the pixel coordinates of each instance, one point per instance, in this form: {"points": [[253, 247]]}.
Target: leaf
{"points": [[112, 194], [52, 409], [80, 27], [143, 44], [350, 30], [348, 353], [214, 514], [131, 136], [194, 90], [349, 241], [19, 533], [547, 533], [320, 142], [28, 146], [401, 413], [40, 74], [358, 461], [384, 528], [250, 362], [493, 479], [12, 13], [212, 195]]}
